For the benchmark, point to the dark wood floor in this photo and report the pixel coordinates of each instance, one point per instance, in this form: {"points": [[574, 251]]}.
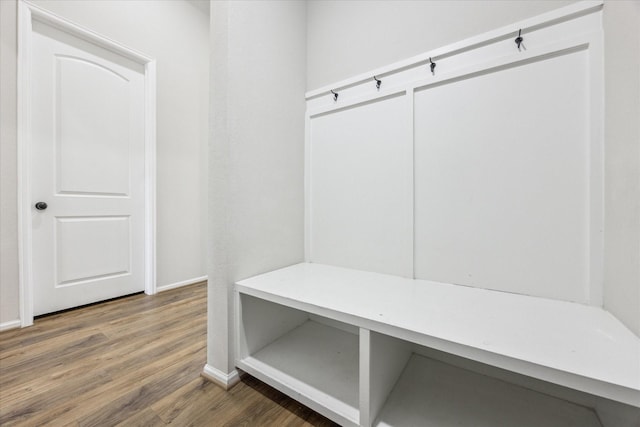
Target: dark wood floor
{"points": [[134, 361]]}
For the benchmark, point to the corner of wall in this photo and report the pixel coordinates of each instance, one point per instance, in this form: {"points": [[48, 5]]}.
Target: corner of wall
{"points": [[622, 162], [256, 160], [9, 288]]}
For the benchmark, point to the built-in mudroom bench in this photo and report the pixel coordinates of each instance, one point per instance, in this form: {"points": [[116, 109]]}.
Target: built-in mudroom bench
{"points": [[454, 269], [355, 346]]}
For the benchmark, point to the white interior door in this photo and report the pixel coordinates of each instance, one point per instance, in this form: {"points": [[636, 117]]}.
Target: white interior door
{"points": [[87, 163]]}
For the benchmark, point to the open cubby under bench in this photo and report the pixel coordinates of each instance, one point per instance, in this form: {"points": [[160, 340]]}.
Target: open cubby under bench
{"points": [[347, 344]]}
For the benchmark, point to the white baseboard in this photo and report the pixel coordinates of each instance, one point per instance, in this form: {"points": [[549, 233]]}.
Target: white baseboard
{"points": [[225, 381], [182, 283], [10, 325]]}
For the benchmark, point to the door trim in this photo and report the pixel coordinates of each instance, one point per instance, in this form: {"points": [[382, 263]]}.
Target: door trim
{"points": [[27, 14]]}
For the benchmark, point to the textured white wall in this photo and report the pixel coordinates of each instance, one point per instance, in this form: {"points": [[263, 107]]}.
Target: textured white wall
{"points": [[176, 33], [622, 161], [256, 178], [349, 37], [9, 309]]}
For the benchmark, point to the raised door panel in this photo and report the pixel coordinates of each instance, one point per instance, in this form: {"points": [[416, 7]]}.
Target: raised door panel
{"points": [[92, 128], [91, 248]]}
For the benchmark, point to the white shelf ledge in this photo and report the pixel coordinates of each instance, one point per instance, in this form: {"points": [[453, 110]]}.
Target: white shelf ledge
{"points": [[577, 346], [434, 394], [317, 365]]}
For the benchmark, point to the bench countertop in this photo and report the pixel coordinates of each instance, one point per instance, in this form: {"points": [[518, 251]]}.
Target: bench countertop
{"points": [[575, 345]]}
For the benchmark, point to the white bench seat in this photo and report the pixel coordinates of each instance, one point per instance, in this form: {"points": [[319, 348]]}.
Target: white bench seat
{"points": [[573, 345]]}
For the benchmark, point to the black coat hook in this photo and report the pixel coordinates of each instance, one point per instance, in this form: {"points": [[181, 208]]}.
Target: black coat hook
{"points": [[519, 39], [378, 82], [432, 66], [335, 95]]}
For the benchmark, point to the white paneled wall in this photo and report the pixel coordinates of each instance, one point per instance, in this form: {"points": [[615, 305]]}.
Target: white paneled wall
{"points": [[485, 173]]}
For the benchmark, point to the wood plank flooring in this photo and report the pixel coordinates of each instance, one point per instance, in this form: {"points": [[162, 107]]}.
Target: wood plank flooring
{"points": [[134, 361]]}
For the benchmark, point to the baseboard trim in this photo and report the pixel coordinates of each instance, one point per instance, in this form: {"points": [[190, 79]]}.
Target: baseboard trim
{"points": [[10, 325], [226, 381], [182, 283]]}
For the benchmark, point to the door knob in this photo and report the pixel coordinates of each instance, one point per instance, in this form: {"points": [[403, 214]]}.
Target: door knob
{"points": [[41, 206]]}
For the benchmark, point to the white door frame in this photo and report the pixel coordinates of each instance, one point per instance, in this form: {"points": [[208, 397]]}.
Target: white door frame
{"points": [[27, 14]]}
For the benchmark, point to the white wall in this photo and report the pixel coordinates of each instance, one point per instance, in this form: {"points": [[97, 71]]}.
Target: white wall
{"points": [[256, 195], [349, 37], [622, 161], [176, 33], [9, 310]]}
